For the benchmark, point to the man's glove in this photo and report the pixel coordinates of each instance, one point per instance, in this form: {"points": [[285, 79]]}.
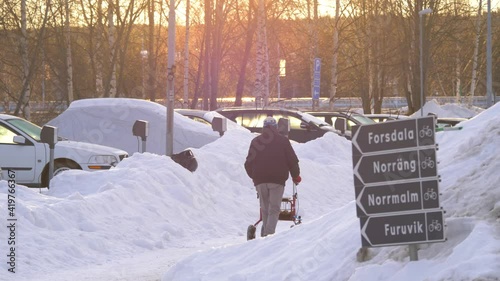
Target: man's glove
{"points": [[296, 180]]}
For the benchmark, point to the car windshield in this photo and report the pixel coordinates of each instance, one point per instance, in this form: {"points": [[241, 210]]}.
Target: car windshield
{"points": [[309, 118], [27, 127], [363, 120]]}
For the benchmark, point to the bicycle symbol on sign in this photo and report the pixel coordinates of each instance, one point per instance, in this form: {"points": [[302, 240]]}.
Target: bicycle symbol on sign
{"points": [[435, 225], [427, 163], [426, 131], [430, 194]]}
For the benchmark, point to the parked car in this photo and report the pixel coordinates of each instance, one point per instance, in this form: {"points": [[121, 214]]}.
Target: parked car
{"points": [[303, 127], [22, 152], [205, 117], [342, 121], [109, 121], [384, 117], [442, 122], [197, 115]]}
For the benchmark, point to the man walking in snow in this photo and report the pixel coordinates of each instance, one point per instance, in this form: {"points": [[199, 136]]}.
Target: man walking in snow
{"points": [[269, 161]]}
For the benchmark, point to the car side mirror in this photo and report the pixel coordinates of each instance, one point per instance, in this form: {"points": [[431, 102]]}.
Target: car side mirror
{"points": [[340, 125], [19, 139]]}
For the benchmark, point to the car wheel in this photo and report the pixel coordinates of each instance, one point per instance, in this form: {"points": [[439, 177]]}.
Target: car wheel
{"points": [[60, 166], [64, 165]]}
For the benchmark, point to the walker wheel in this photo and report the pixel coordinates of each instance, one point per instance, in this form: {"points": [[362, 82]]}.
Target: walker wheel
{"points": [[251, 232]]}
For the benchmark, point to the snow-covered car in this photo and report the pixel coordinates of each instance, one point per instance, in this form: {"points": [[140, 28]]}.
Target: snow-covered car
{"points": [[109, 121], [22, 152]]}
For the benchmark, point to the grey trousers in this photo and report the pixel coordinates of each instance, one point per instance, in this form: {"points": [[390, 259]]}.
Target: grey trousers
{"points": [[270, 195]]}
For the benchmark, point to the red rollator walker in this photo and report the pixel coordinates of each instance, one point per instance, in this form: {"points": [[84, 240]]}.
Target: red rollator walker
{"points": [[288, 212]]}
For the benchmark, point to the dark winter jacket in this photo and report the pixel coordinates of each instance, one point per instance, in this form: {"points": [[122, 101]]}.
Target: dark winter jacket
{"points": [[271, 158]]}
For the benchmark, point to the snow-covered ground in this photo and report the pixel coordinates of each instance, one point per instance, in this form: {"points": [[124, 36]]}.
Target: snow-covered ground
{"points": [[151, 219]]}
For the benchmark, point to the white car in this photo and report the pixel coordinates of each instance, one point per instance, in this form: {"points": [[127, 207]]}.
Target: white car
{"points": [[109, 121], [22, 152]]}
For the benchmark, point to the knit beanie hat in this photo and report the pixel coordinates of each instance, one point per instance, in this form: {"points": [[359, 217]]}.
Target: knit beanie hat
{"points": [[270, 122]]}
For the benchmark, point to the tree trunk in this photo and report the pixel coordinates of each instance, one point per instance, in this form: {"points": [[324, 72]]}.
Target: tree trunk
{"points": [[98, 57], [260, 91], [123, 37], [313, 50], [151, 87], [380, 61], [69, 62], [216, 53], [186, 59], [26, 90], [197, 88], [207, 83], [112, 45], [333, 86], [473, 82], [413, 97], [366, 88], [28, 66], [248, 47], [458, 81]]}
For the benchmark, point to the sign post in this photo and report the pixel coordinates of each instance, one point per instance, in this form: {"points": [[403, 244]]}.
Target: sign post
{"points": [[396, 183], [49, 136], [316, 83]]}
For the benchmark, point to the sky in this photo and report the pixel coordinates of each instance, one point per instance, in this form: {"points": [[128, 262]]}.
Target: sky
{"points": [[151, 219]]}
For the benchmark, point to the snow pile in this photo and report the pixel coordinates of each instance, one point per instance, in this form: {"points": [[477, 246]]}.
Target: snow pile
{"points": [[448, 110], [150, 219]]}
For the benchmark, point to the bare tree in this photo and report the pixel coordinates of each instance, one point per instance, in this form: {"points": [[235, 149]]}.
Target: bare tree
{"points": [[69, 63], [261, 90], [111, 92], [151, 85], [333, 85], [186, 58], [476, 51], [207, 84], [250, 31], [28, 65], [26, 91]]}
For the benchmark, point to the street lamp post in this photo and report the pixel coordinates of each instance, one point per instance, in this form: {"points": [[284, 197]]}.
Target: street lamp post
{"points": [[413, 249], [420, 14]]}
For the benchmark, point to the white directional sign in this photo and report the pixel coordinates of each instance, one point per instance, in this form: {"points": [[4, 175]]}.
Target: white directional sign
{"points": [[396, 182], [396, 198], [399, 134], [395, 166], [411, 228]]}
